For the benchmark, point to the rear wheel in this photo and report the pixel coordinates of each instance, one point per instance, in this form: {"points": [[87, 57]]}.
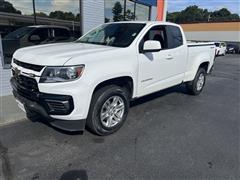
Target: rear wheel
{"points": [[108, 110], [195, 87]]}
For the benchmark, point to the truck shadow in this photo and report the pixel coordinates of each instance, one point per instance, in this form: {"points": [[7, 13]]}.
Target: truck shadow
{"points": [[175, 89], [45, 121], [75, 174]]}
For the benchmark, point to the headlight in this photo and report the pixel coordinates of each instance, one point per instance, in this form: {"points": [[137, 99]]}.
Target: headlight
{"points": [[61, 74]]}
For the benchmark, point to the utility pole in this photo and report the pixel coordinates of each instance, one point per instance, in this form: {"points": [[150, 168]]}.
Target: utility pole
{"points": [[81, 16], [34, 12], [134, 11], [124, 10]]}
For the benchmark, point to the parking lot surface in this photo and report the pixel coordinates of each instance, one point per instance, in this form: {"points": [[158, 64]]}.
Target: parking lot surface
{"points": [[168, 135]]}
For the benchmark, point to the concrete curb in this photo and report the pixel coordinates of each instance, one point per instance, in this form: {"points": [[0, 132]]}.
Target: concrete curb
{"points": [[9, 111]]}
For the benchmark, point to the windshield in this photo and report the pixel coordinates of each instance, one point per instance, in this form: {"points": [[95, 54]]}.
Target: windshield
{"points": [[19, 33], [117, 35], [217, 44]]}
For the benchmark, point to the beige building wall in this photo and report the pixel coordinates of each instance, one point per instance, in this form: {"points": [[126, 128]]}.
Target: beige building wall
{"points": [[218, 31]]}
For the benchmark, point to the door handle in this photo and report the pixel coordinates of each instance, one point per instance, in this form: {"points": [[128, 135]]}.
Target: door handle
{"points": [[169, 57]]}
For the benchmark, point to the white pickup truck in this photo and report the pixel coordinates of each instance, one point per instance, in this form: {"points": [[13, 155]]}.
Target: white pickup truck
{"points": [[92, 80]]}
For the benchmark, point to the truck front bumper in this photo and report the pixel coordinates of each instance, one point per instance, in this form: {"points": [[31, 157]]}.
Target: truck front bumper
{"points": [[45, 104]]}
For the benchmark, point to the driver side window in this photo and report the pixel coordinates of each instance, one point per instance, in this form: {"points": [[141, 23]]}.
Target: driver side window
{"points": [[157, 33]]}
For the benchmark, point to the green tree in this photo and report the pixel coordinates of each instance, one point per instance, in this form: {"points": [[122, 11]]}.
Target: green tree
{"points": [[41, 14], [173, 17], [129, 15], [193, 14], [234, 17], [196, 14], [57, 15], [6, 6], [63, 15], [69, 16], [77, 18], [223, 15], [117, 12]]}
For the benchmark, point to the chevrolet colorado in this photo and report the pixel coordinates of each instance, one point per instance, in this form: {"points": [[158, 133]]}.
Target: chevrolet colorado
{"points": [[92, 80]]}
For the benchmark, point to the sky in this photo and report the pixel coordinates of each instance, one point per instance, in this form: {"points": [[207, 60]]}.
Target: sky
{"points": [[211, 5], [173, 5], [46, 6]]}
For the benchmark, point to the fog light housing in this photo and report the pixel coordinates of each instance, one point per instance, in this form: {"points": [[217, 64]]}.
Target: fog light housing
{"points": [[58, 104]]}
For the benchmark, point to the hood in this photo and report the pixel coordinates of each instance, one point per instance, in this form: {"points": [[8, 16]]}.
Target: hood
{"points": [[57, 54]]}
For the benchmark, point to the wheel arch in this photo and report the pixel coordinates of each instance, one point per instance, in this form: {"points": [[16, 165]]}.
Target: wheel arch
{"points": [[204, 63], [122, 81]]}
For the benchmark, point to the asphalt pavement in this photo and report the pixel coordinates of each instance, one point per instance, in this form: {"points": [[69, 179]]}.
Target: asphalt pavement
{"points": [[168, 135]]}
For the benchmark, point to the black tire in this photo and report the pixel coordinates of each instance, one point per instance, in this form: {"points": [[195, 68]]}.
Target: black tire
{"points": [[192, 85], [102, 95]]}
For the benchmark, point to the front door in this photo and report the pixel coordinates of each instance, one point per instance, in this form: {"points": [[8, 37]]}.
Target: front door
{"points": [[159, 70]]}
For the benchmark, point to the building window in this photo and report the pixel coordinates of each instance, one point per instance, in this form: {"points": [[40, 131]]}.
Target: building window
{"points": [[126, 10], [142, 12], [130, 10], [114, 10], [17, 15]]}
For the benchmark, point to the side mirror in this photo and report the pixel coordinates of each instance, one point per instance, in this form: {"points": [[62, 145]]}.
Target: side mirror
{"points": [[152, 46], [35, 38]]}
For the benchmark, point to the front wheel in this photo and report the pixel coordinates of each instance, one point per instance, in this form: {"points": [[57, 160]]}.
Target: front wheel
{"points": [[195, 87], [108, 110]]}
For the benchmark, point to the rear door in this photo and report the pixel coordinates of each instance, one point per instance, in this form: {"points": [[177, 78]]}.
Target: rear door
{"points": [[159, 70], [178, 52]]}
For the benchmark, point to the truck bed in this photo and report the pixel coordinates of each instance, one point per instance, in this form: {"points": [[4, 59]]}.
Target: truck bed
{"points": [[195, 44]]}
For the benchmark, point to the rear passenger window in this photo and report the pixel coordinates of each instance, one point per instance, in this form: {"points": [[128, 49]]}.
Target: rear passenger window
{"points": [[174, 37]]}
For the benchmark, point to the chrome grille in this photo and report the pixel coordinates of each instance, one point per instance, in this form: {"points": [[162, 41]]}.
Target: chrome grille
{"points": [[27, 82]]}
